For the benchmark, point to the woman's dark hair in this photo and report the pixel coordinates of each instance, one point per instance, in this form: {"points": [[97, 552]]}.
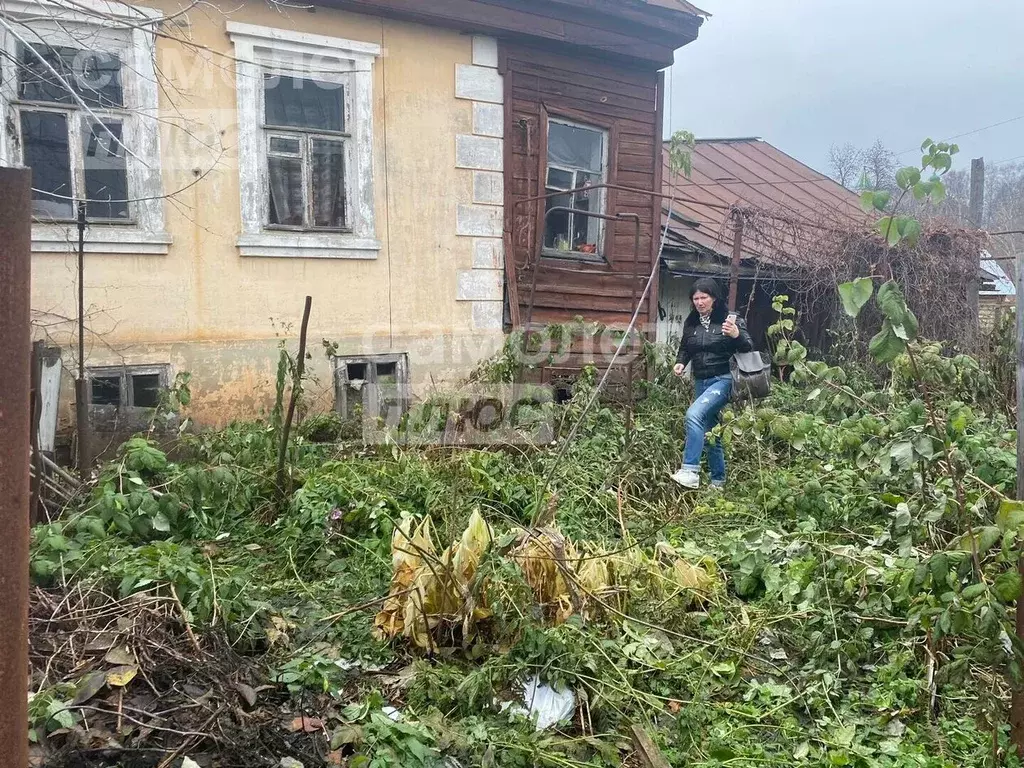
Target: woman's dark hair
{"points": [[707, 285], [711, 287]]}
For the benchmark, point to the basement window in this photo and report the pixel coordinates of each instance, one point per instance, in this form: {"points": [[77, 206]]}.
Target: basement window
{"points": [[577, 158], [379, 383], [128, 387]]}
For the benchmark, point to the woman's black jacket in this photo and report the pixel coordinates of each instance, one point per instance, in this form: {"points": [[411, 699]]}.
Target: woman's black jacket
{"points": [[710, 351]]}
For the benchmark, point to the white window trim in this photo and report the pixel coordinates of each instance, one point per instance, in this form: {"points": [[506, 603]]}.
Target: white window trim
{"points": [[147, 234], [259, 49]]}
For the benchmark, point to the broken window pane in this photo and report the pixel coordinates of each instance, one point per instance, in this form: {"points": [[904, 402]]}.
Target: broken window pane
{"points": [[44, 140], [106, 390], [287, 204], [356, 371], [559, 179], [146, 390], [387, 373], [106, 171], [285, 145], [328, 183], [556, 232], [300, 103], [45, 72]]}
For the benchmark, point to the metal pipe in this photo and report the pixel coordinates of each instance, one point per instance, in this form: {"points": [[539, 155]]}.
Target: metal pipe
{"points": [[1017, 699], [620, 188], [81, 390], [566, 209], [15, 382]]}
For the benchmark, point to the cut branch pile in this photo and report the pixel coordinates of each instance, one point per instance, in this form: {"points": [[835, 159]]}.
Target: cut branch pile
{"points": [[127, 682]]}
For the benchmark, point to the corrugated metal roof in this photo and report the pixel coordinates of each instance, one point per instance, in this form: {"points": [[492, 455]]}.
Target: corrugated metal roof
{"points": [[991, 269], [751, 173]]}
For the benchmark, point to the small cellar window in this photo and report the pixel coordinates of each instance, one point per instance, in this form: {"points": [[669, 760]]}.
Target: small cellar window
{"points": [[130, 386], [378, 382]]}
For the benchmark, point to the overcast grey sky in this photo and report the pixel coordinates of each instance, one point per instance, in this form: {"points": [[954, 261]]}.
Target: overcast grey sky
{"points": [[803, 74]]}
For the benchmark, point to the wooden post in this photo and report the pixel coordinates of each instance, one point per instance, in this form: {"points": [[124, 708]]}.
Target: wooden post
{"points": [[977, 216], [649, 755], [300, 365], [1017, 701], [15, 383], [977, 204], [36, 409], [737, 251]]}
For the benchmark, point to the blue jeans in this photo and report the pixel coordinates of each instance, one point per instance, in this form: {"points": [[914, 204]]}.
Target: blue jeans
{"points": [[701, 417]]}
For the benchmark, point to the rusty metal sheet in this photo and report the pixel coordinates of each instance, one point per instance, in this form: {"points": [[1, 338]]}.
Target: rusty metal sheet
{"points": [[751, 173], [15, 413]]}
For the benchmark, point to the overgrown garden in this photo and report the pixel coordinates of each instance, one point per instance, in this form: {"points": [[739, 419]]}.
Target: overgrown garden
{"points": [[846, 601]]}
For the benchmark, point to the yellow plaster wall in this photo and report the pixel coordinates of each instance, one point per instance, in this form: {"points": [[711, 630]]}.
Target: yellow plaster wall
{"points": [[204, 308]]}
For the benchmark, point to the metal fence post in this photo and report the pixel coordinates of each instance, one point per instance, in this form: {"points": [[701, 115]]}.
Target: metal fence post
{"points": [[15, 383]]}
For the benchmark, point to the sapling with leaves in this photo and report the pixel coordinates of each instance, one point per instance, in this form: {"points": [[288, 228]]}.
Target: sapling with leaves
{"points": [[788, 352]]}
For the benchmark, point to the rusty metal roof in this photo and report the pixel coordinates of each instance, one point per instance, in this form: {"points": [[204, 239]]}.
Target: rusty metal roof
{"points": [[750, 173]]}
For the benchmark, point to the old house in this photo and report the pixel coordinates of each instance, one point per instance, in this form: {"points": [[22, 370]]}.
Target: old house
{"points": [[390, 158]]}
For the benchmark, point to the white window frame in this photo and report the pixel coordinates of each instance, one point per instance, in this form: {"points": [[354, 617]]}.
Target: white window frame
{"points": [[600, 194], [266, 50], [127, 31]]}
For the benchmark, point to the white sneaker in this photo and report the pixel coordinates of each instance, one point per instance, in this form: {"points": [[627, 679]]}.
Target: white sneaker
{"points": [[687, 478]]}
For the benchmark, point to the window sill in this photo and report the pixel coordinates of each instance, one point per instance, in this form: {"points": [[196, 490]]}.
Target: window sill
{"points": [[308, 245], [589, 258], [99, 238]]}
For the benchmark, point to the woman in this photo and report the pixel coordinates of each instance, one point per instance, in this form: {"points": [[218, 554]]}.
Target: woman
{"points": [[711, 335]]}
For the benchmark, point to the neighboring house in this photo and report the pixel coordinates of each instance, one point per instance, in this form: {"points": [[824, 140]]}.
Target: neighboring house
{"points": [[752, 174], [369, 153], [997, 295]]}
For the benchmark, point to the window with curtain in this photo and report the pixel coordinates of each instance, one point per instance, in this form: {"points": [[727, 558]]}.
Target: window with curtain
{"points": [[305, 128], [577, 156]]}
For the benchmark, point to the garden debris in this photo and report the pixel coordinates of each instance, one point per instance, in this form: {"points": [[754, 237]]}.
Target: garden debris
{"points": [[650, 756], [819, 610], [428, 592], [545, 705], [169, 701]]}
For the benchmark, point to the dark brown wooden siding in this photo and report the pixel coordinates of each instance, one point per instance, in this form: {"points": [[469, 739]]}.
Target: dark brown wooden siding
{"points": [[620, 99]]}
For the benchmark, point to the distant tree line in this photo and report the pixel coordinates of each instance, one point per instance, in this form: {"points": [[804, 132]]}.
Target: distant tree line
{"points": [[875, 168]]}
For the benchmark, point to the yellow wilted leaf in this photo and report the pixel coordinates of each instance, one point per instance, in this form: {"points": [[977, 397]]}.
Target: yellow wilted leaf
{"points": [[689, 576], [595, 575], [545, 557], [420, 612], [471, 548], [408, 549], [118, 677]]}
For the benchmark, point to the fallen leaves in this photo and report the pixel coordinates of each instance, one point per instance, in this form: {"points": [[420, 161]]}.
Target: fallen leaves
{"points": [[118, 677], [306, 724]]}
